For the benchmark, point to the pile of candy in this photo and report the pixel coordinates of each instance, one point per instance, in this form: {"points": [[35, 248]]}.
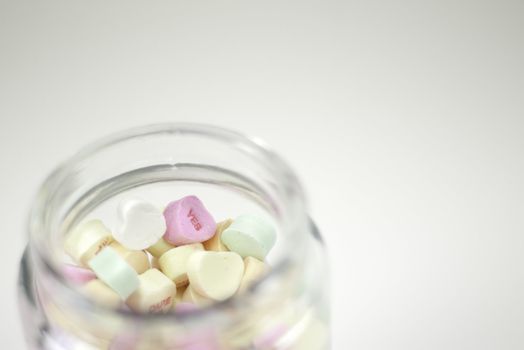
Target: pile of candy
{"points": [[179, 259]]}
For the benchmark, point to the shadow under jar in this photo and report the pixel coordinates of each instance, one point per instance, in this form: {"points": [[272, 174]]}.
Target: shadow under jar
{"points": [[232, 174]]}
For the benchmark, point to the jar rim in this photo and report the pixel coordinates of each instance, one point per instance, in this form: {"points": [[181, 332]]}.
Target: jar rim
{"points": [[38, 225]]}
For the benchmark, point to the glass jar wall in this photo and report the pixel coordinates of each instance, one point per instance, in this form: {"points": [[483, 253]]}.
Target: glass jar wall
{"points": [[232, 174]]}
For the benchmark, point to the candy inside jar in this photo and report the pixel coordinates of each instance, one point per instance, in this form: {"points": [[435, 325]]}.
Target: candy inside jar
{"points": [[174, 237], [204, 261]]}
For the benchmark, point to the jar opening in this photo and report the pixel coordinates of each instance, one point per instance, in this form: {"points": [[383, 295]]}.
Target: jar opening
{"points": [[166, 154]]}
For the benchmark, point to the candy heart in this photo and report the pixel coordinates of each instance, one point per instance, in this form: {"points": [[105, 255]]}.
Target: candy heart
{"points": [[77, 275], [215, 243], [101, 294], [190, 296], [270, 337], [250, 235], [159, 248], [155, 293], [185, 307], [215, 275], [180, 294], [188, 221], [114, 271], [87, 240], [254, 269], [140, 224], [173, 263], [137, 259]]}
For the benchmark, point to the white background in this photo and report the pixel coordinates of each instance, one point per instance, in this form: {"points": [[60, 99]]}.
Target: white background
{"points": [[404, 119]]}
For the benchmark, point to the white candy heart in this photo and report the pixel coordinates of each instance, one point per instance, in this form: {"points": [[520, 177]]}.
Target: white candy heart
{"points": [[215, 275], [140, 224]]}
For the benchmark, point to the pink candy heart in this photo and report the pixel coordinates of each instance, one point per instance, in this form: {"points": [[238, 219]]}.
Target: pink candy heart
{"points": [[188, 221], [270, 338], [205, 339], [77, 275], [185, 308]]}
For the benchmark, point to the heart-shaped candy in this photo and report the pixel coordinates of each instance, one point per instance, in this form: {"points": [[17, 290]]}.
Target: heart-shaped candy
{"points": [[188, 221], [154, 294], [215, 275], [215, 242], [140, 224], [173, 263], [250, 235], [77, 274], [114, 271], [87, 240], [254, 269]]}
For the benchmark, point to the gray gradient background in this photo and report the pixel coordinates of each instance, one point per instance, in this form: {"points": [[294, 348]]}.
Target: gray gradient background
{"points": [[405, 120]]}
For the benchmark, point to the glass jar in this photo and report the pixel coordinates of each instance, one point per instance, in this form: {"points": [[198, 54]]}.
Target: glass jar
{"points": [[232, 174]]}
